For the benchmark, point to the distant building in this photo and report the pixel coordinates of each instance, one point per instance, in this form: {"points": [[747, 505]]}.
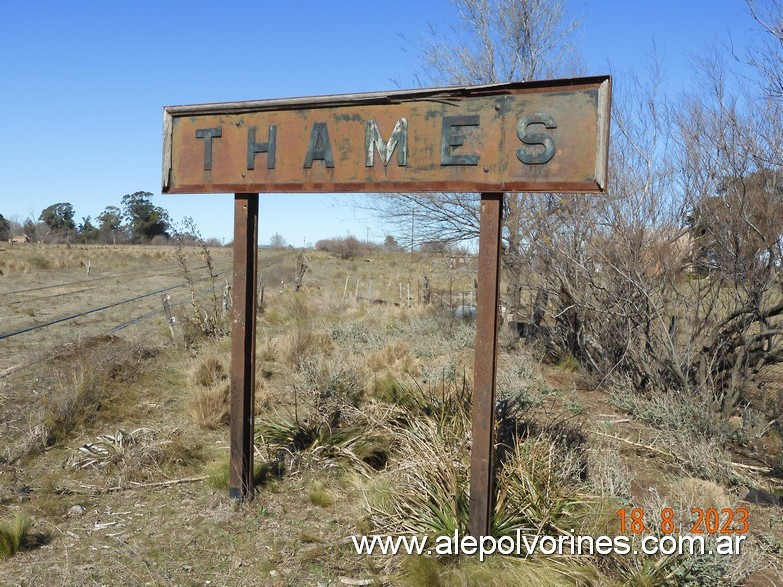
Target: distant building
{"points": [[19, 239]]}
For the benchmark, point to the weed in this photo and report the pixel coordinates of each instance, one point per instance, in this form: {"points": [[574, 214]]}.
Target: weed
{"points": [[74, 406], [668, 411], [568, 363], [534, 494], [330, 383], [608, 475], [208, 320], [218, 477], [103, 387], [395, 356], [388, 389], [320, 496], [268, 350], [139, 455], [14, 535]]}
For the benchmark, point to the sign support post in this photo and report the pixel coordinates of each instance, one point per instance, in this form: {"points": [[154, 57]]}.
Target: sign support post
{"points": [[482, 466], [243, 345]]}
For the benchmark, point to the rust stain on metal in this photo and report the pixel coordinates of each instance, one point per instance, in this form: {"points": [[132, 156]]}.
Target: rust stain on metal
{"points": [[482, 468], [243, 345], [547, 136]]}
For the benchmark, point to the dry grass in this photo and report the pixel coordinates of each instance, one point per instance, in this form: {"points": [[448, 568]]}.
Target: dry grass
{"points": [[210, 369], [83, 387], [139, 455], [363, 425], [211, 408], [32, 258]]}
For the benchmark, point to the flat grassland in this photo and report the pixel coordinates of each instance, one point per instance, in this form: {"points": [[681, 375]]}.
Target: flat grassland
{"points": [[114, 434]]}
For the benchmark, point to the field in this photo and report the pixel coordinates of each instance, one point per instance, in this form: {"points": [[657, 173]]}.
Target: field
{"points": [[114, 433]]}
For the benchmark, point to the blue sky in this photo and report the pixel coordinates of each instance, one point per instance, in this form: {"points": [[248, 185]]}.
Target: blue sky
{"points": [[83, 85]]}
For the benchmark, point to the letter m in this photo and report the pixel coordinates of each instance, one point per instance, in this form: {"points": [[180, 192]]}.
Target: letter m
{"points": [[398, 140]]}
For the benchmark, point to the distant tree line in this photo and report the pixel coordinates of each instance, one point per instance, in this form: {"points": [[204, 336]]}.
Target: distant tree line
{"points": [[348, 247], [136, 220]]}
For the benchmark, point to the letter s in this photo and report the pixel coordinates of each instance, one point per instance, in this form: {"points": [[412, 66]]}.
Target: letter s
{"points": [[536, 157]]}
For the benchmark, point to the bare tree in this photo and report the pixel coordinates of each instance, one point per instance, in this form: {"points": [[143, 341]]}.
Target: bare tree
{"points": [[767, 57], [493, 41], [497, 41], [276, 241]]}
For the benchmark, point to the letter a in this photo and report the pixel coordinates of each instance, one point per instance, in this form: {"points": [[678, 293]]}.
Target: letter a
{"points": [[319, 148]]}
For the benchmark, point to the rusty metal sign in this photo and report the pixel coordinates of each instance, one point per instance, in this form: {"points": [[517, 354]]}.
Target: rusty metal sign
{"points": [[534, 137], [543, 136]]}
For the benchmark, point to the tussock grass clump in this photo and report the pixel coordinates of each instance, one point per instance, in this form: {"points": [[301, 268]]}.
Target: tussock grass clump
{"points": [[432, 483], [395, 357], [304, 339], [301, 344], [211, 408], [497, 571], [72, 407], [697, 493], [568, 363], [209, 370], [218, 475], [538, 476], [14, 535], [268, 350], [319, 495], [389, 390], [348, 437], [39, 262]]}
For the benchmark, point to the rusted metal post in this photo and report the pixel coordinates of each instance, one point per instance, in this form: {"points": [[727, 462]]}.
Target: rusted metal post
{"points": [[482, 474], [243, 345]]}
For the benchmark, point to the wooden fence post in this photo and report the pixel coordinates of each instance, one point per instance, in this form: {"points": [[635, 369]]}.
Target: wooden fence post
{"points": [[169, 316]]}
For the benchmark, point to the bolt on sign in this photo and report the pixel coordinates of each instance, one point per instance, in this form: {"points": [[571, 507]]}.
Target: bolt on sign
{"points": [[548, 136]]}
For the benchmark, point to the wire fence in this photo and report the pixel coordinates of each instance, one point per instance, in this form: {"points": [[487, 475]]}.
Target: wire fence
{"points": [[101, 308]]}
